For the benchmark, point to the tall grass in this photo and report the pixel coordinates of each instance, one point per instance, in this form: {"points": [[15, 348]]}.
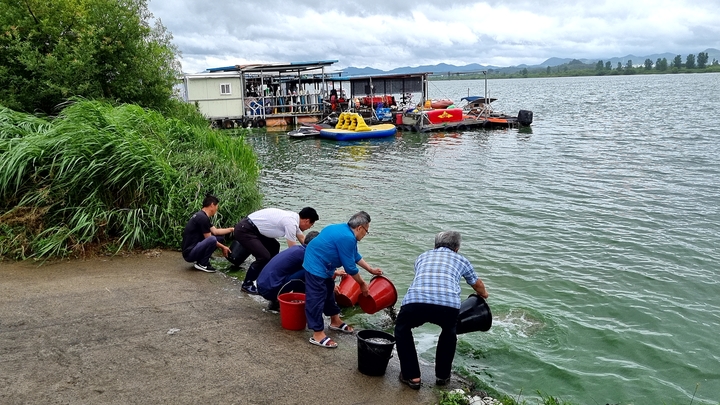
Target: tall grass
{"points": [[119, 176]]}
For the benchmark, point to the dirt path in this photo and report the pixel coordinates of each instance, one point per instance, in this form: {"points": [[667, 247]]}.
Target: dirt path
{"points": [[147, 329]]}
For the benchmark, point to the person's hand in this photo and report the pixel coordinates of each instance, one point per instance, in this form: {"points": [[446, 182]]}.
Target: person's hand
{"points": [[339, 273], [226, 250], [364, 289], [375, 271]]}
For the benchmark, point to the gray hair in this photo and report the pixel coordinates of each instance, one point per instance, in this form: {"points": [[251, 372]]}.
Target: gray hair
{"points": [[448, 239], [361, 218], [310, 236]]}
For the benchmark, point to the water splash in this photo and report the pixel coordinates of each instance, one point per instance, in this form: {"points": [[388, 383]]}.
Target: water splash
{"points": [[518, 322]]}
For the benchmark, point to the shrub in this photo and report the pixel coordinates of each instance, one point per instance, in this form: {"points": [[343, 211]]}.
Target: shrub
{"points": [[97, 174]]}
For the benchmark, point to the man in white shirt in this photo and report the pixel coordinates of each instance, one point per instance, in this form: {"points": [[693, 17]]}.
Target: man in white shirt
{"points": [[258, 233]]}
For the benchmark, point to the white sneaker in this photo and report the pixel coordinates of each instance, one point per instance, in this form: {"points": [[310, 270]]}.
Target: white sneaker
{"points": [[207, 269]]}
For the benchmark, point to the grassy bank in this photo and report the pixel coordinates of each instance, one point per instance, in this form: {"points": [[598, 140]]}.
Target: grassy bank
{"points": [[104, 178]]}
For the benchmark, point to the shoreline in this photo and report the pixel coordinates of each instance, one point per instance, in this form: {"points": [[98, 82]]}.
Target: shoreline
{"points": [[147, 328]]}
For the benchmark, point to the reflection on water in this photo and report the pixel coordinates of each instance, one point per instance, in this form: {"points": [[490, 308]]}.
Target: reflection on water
{"points": [[595, 230]]}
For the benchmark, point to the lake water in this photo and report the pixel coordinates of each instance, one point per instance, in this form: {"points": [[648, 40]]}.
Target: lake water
{"points": [[596, 231]]}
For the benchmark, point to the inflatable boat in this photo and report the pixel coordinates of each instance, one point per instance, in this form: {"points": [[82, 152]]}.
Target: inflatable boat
{"points": [[351, 126]]}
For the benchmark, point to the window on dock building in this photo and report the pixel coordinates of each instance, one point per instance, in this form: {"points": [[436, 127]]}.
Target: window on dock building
{"points": [[225, 88]]}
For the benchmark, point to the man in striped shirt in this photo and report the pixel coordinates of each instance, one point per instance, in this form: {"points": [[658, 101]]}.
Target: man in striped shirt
{"points": [[434, 297]]}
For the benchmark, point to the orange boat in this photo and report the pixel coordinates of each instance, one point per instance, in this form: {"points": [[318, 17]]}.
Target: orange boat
{"points": [[441, 104]]}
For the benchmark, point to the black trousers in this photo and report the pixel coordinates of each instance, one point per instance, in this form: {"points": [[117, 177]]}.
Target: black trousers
{"points": [[414, 315], [261, 247]]}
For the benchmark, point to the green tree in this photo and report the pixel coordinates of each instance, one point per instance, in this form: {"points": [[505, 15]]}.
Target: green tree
{"points": [[690, 61], [661, 64], [702, 60], [524, 72], [96, 49], [599, 66], [608, 65], [648, 64], [629, 64], [619, 67], [548, 70], [677, 62]]}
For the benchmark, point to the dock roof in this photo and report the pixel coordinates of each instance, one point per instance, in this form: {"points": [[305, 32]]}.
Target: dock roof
{"points": [[275, 67]]}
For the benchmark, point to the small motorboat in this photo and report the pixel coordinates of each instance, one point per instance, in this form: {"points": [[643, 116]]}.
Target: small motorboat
{"points": [[305, 131], [479, 107]]}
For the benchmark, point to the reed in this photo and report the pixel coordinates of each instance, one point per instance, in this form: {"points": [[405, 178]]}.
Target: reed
{"points": [[120, 176]]}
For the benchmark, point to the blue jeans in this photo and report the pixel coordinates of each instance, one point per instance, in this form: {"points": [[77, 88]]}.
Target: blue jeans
{"points": [[414, 315]]}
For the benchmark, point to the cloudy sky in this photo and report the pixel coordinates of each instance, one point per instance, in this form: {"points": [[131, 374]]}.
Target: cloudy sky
{"points": [[386, 34]]}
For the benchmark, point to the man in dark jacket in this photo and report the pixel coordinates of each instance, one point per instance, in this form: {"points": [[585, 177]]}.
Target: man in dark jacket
{"points": [[283, 268]]}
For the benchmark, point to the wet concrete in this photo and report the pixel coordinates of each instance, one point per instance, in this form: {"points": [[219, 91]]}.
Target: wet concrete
{"points": [[147, 328]]}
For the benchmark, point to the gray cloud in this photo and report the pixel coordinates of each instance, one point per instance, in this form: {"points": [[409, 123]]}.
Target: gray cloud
{"points": [[389, 34]]}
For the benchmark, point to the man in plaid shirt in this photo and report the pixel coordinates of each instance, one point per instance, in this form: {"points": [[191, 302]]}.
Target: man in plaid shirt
{"points": [[434, 296]]}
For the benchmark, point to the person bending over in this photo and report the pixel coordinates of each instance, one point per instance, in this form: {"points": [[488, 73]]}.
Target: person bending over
{"points": [[335, 246], [258, 233], [281, 269], [434, 297]]}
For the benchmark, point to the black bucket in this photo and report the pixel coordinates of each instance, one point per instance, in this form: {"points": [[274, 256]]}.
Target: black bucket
{"points": [[373, 357], [474, 315], [238, 254]]}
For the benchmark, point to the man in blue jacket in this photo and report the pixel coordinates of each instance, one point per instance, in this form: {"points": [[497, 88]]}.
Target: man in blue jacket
{"points": [[281, 269]]}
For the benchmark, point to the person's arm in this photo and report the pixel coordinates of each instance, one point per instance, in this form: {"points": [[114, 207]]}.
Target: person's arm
{"points": [[300, 239], [221, 231], [293, 234], [375, 271], [479, 288], [225, 249], [363, 284]]}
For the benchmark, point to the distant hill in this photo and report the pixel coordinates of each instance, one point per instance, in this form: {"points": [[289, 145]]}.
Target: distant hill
{"points": [[437, 69], [474, 67]]}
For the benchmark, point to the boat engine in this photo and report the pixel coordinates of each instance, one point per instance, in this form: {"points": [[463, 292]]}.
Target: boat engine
{"points": [[525, 117]]}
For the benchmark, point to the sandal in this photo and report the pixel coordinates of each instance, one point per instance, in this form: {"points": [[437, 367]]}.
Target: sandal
{"points": [[343, 327], [324, 342], [410, 383]]}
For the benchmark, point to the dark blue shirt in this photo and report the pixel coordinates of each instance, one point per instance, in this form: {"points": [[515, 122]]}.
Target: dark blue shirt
{"points": [[283, 264]]}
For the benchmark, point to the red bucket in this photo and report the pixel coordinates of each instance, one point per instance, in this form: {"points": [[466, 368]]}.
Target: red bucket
{"points": [[348, 292], [381, 294], [292, 311]]}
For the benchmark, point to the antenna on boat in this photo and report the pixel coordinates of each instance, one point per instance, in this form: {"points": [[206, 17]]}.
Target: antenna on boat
{"points": [[486, 94]]}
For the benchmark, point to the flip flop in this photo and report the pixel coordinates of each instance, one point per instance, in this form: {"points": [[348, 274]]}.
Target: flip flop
{"points": [[343, 327], [325, 342]]}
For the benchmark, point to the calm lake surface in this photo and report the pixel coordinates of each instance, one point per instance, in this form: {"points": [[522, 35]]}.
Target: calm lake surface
{"points": [[596, 231]]}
